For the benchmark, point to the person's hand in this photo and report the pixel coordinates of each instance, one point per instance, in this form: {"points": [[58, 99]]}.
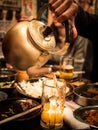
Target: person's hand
{"points": [[9, 66], [35, 71], [64, 10]]}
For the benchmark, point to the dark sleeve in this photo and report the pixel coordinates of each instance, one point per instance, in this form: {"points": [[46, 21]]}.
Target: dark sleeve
{"points": [[87, 24]]}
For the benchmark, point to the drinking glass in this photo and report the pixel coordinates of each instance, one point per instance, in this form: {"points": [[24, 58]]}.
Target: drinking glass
{"points": [[78, 65], [53, 99], [66, 67]]}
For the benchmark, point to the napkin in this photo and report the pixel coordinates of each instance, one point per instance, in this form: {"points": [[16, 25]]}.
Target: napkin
{"points": [[70, 119]]}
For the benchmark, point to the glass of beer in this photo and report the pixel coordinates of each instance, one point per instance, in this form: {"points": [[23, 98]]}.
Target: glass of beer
{"points": [[66, 67]]}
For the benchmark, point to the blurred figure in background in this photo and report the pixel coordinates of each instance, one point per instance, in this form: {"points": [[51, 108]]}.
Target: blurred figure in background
{"points": [[80, 49], [83, 23], [76, 49], [88, 5]]}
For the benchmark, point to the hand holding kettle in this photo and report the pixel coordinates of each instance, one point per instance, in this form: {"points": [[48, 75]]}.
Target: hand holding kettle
{"points": [[29, 43]]}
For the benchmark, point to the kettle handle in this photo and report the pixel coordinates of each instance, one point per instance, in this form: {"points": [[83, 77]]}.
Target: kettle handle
{"points": [[61, 51]]}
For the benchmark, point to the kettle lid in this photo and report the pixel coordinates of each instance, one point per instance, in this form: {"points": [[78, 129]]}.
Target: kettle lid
{"points": [[36, 29]]}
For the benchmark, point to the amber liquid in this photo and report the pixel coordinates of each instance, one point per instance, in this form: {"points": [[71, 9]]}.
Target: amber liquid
{"points": [[67, 72]]}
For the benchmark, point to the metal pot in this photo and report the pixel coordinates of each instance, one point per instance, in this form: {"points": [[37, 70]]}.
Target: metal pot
{"points": [[24, 45], [86, 95], [88, 115], [28, 43]]}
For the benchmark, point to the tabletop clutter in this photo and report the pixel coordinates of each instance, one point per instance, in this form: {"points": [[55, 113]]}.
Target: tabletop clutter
{"points": [[59, 99], [53, 90]]}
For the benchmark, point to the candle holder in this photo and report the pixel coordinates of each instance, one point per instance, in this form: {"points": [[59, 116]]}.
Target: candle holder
{"points": [[53, 99]]}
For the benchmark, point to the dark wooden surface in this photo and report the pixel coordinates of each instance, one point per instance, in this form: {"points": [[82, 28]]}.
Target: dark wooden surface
{"points": [[33, 124]]}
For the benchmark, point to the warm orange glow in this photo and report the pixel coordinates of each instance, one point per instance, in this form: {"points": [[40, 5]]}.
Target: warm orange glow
{"points": [[53, 115]]}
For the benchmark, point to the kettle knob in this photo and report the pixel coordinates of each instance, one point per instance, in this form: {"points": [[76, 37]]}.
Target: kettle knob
{"points": [[47, 31]]}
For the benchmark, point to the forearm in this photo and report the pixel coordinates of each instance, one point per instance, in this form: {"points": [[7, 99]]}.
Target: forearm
{"points": [[35, 71]]}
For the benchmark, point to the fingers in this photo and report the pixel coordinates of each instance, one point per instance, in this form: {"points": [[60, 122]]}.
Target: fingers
{"points": [[63, 9], [67, 14], [52, 1], [9, 66], [75, 33], [74, 30], [59, 6]]}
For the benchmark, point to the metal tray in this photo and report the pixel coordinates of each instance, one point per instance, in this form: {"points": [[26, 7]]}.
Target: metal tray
{"points": [[36, 93], [86, 95]]}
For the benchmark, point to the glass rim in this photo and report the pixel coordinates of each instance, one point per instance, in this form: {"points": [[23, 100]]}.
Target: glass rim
{"points": [[53, 85]]}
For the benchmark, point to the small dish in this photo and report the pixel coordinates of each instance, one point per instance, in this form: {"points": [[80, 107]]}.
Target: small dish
{"points": [[7, 86], [88, 115], [86, 95], [30, 88], [12, 107]]}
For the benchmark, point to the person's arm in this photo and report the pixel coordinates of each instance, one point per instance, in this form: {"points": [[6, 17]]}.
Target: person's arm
{"points": [[65, 10], [34, 71], [87, 24]]}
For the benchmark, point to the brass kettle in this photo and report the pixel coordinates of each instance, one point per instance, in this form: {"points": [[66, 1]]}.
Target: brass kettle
{"points": [[27, 44], [24, 45]]}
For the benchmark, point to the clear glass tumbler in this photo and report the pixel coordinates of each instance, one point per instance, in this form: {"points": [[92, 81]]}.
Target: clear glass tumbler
{"points": [[53, 99], [66, 67]]}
